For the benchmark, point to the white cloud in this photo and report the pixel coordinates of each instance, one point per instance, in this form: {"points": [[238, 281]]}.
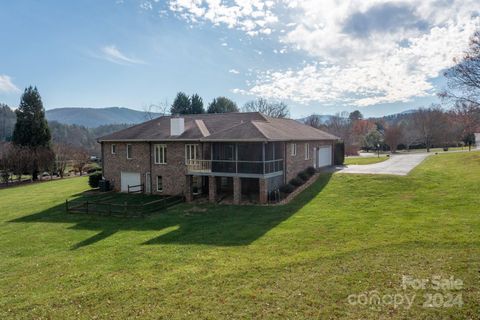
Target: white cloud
{"points": [[362, 52], [6, 85], [234, 71], [251, 16], [113, 54]]}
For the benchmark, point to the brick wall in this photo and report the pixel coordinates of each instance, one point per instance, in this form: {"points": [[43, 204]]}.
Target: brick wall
{"points": [[114, 164], [173, 172], [297, 163]]}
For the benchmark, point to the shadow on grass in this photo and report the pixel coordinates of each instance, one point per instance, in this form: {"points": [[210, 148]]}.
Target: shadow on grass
{"points": [[219, 225]]}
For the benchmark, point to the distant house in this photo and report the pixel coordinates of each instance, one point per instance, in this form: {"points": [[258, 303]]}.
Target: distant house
{"points": [[477, 140], [216, 155]]}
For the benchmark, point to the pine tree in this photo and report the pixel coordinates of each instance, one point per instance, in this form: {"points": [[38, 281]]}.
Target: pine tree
{"points": [[196, 104], [222, 105], [181, 104], [31, 129]]}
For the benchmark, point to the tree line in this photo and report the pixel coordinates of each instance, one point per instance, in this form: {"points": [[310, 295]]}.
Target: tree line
{"points": [[421, 128], [31, 150], [184, 104]]}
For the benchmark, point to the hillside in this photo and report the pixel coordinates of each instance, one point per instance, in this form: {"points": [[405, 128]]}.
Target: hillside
{"points": [[80, 136], [94, 117]]}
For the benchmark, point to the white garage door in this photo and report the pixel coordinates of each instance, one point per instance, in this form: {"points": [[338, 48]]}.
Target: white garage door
{"points": [[130, 179], [324, 156]]}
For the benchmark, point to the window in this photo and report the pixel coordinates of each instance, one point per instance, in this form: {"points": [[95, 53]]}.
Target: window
{"points": [[294, 149], [191, 152], [160, 154], [114, 149], [307, 151], [129, 151], [159, 184]]}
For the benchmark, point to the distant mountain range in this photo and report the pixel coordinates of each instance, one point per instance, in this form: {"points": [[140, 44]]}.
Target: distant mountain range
{"points": [[94, 117]]}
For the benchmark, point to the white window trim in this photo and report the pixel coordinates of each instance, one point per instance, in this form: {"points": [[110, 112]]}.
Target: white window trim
{"points": [[112, 147], [129, 156], [159, 190], [294, 150], [160, 160], [307, 151]]}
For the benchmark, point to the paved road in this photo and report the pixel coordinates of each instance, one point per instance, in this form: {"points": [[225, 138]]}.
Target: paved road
{"points": [[397, 165]]}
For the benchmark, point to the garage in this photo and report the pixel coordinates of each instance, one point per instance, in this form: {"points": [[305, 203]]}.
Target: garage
{"points": [[130, 179], [324, 156]]}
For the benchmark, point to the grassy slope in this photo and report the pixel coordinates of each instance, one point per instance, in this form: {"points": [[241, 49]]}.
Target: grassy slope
{"points": [[364, 160], [344, 235]]}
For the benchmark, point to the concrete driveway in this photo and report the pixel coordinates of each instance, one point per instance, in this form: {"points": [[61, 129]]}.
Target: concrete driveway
{"points": [[397, 164]]}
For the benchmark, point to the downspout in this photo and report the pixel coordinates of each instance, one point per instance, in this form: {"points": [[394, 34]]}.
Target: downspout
{"points": [[285, 162], [151, 178], [103, 159]]}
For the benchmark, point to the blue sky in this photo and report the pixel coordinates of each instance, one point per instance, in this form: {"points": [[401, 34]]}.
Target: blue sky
{"points": [[376, 56]]}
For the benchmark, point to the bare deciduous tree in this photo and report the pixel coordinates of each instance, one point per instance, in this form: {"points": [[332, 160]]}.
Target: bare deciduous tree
{"points": [[153, 109], [411, 135], [466, 116], [393, 135], [464, 78], [431, 124], [313, 120], [80, 159], [271, 109], [44, 159], [63, 155]]}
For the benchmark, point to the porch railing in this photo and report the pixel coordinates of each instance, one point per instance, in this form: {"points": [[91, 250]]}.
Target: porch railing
{"points": [[233, 166]]}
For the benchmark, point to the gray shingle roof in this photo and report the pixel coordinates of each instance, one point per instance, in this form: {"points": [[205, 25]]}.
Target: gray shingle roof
{"points": [[248, 126]]}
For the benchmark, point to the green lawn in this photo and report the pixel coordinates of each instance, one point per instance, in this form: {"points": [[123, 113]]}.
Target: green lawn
{"points": [[364, 160], [345, 235]]}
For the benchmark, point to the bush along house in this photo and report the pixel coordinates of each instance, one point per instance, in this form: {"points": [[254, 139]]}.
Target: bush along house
{"points": [[231, 156]]}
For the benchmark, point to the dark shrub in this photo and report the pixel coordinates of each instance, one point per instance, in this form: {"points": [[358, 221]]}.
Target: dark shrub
{"points": [[287, 188], [94, 179], [303, 175], [297, 182], [339, 153], [93, 170], [310, 171]]}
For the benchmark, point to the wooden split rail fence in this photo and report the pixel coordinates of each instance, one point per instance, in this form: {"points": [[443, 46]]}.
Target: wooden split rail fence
{"points": [[120, 209]]}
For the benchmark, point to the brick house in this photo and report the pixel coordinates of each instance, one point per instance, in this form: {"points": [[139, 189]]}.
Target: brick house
{"points": [[242, 156]]}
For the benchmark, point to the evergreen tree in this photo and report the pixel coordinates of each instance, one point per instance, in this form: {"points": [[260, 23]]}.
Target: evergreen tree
{"points": [[222, 105], [31, 129], [355, 116], [181, 104], [196, 104]]}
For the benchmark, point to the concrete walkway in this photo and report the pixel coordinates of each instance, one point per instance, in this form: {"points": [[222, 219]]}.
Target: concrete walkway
{"points": [[397, 165]]}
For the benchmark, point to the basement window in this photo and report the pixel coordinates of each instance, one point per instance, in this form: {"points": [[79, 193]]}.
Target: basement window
{"points": [[159, 183]]}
